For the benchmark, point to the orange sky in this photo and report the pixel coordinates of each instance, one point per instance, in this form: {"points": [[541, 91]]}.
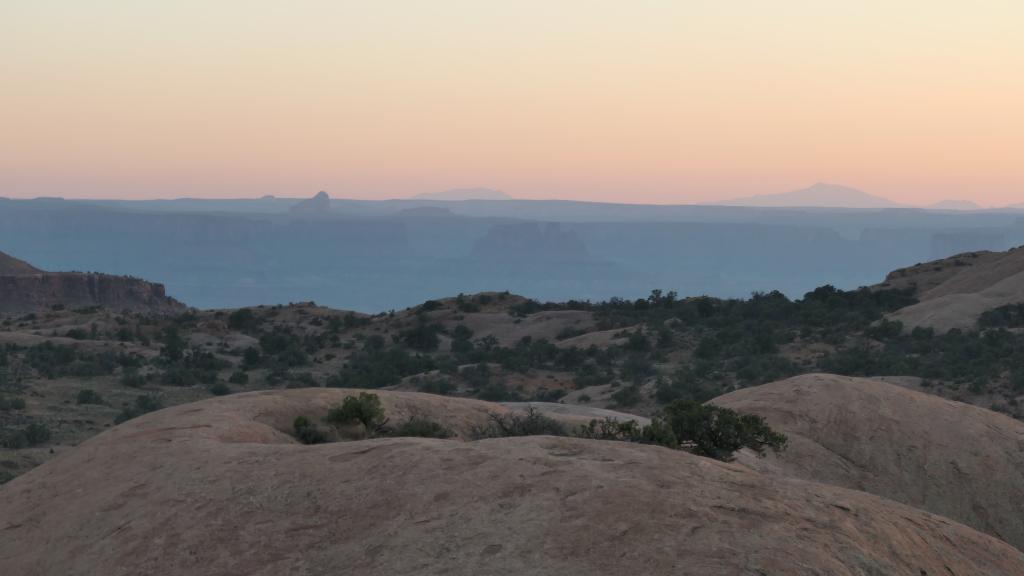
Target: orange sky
{"points": [[642, 101]]}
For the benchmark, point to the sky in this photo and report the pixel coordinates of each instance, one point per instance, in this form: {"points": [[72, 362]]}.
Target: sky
{"points": [[643, 101]]}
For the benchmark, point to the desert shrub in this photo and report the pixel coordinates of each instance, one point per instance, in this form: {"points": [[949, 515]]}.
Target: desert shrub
{"points": [[282, 348], [466, 304], [1010, 316], [590, 374], [365, 409], [238, 377], [88, 397], [569, 332], [529, 423], [220, 389], [702, 429], [7, 404], [14, 439], [638, 342], [307, 432], [611, 429], [77, 334], [627, 396], [34, 434], [430, 306], [421, 427], [376, 367], [714, 431], [37, 433], [422, 337], [636, 368], [133, 379], [441, 386], [685, 384], [143, 404], [543, 394], [243, 320], [300, 380]]}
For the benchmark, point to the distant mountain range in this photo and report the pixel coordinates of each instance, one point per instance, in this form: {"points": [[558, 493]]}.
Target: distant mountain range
{"points": [[955, 205], [464, 194], [820, 195]]}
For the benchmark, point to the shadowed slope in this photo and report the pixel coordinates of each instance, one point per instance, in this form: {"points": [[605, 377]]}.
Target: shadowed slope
{"points": [[953, 459]]}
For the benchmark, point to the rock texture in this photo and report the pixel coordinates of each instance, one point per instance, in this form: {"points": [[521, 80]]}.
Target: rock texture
{"points": [[25, 288], [953, 459], [11, 266], [39, 292], [954, 292], [217, 487]]}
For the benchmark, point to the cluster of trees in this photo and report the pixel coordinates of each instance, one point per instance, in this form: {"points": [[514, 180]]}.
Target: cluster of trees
{"points": [[702, 429]]}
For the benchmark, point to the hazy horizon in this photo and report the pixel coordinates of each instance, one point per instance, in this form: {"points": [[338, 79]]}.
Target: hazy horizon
{"points": [[677, 102]]}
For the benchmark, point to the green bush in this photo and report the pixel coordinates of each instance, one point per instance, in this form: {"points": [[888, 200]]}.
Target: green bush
{"points": [[364, 409], [37, 433], [88, 397], [14, 440], [702, 429], [143, 404], [714, 431], [307, 432], [243, 320], [34, 434]]}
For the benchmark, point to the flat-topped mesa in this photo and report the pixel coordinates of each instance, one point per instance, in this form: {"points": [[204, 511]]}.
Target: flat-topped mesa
{"points": [[25, 289]]}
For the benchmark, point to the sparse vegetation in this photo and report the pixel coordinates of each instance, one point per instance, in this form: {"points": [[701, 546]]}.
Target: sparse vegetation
{"points": [[703, 429], [143, 404], [87, 396], [421, 427], [531, 422]]}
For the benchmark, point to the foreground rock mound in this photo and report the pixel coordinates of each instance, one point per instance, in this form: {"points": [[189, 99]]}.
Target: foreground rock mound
{"points": [[953, 459], [217, 487], [956, 291], [26, 289]]}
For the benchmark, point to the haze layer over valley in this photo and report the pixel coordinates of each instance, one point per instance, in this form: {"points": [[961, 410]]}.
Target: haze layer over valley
{"points": [[380, 255]]}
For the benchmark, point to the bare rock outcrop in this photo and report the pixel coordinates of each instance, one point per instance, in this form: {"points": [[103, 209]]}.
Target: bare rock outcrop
{"points": [[956, 291], [25, 289], [219, 487], [953, 459], [37, 292]]}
